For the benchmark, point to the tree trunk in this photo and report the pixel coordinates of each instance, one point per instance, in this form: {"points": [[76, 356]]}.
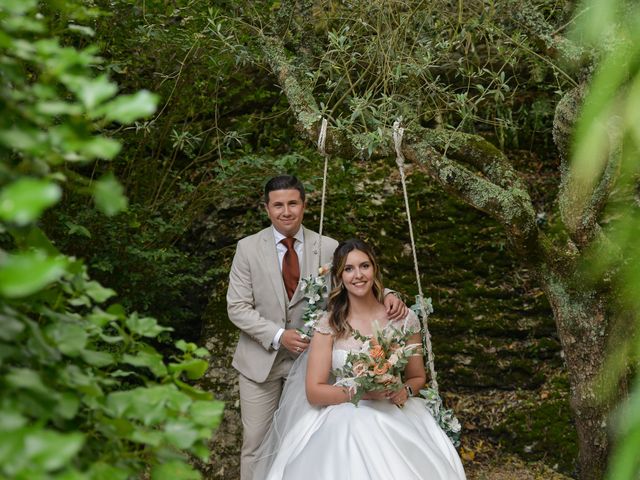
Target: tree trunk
{"points": [[581, 320]]}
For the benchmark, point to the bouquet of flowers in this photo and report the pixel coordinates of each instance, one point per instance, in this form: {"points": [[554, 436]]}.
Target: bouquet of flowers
{"points": [[315, 290], [379, 363]]}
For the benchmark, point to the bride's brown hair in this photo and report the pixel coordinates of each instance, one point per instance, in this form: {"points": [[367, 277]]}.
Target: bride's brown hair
{"points": [[338, 298]]}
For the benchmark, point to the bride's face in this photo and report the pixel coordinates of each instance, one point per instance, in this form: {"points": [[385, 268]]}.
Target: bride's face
{"points": [[358, 273]]}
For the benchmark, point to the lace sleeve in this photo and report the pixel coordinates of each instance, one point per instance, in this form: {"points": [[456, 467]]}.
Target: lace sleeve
{"points": [[411, 322], [323, 325]]}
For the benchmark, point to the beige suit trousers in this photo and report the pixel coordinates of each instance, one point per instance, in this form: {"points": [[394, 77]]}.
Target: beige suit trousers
{"points": [[258, 403]]}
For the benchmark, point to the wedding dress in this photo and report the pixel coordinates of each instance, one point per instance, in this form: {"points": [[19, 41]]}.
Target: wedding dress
{"points": [[374, 440]]}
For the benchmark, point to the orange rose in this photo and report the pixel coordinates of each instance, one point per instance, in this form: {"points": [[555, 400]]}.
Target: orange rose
{"points": [[376, 352], [381, 369], [359, 369]]}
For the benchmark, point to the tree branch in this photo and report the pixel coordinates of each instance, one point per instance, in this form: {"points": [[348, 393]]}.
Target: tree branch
{"points": [[495, 189], [581, 202]]}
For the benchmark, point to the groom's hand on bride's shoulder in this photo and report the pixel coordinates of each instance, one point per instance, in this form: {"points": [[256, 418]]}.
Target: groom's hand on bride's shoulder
{"points": [[293, 341], [395, 307]]}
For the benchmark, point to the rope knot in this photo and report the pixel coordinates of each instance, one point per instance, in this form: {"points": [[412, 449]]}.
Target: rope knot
{"points": [[398, 132]]}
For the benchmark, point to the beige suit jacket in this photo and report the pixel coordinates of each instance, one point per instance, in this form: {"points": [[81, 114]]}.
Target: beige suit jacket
{"points": [[257, 302]]}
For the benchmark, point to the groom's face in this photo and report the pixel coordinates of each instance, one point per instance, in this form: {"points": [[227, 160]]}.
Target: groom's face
{"points": [[285, 209]]}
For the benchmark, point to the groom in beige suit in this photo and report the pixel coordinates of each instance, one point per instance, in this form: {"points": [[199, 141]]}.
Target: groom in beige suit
{"points": [[266, 304]]}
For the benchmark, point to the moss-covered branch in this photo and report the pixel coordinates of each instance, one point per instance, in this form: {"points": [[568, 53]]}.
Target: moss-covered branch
{"points": [[494, 188], [581, 203]]}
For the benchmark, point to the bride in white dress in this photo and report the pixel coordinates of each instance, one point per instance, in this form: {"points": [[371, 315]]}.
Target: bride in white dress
{"points": [[317, 434]]}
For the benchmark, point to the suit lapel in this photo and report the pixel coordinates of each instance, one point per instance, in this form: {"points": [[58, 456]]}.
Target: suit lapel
{"points": [[270, 255]]}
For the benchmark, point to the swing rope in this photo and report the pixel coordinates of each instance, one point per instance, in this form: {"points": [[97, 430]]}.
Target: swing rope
{"points": [[398, 132], [321, 141]]}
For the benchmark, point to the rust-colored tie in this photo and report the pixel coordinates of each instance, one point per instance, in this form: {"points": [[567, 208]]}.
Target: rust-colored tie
{"points": [[290, 266]]}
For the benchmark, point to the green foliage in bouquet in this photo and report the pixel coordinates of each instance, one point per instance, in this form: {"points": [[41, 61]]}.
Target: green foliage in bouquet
{"points": [[315, 290], [83, 391]]}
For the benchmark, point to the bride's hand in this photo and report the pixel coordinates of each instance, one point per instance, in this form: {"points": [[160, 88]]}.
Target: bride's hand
{"points": [[377, 395], [400, 397]]}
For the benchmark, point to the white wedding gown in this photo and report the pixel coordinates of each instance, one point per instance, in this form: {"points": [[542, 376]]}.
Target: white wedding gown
{"points": [[371, 441]]}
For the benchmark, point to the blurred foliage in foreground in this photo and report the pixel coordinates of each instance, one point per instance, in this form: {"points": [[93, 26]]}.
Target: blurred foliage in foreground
{"points": [[83, 392], [610, 117]]}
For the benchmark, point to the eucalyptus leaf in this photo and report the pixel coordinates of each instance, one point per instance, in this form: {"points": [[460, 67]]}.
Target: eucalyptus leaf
{"points": [[23, 201]]}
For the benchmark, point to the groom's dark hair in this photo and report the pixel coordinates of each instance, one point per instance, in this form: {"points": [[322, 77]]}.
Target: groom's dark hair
{"points": [[283, 182]]}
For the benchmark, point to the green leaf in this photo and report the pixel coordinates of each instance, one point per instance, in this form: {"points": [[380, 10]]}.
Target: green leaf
{"points": [[174, 470], [69, 338], [26, 379], [10, 328], [149, 437], [82, 381], [97, 292], [101, 318], [104, 471], [145, 326], [35, 238], [25, 139], [26, 273], [11, 420], [194, 368], [191, 391], [127, 108], [67, 405], [108, 195], [201, 352], [149, 359], [96, 358], [19, 6], [207, 414], [92, 91], [75, 229], [56, 108], [181, 434], [23, 201], [81, 29], [99, 147], [52, 450]]}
